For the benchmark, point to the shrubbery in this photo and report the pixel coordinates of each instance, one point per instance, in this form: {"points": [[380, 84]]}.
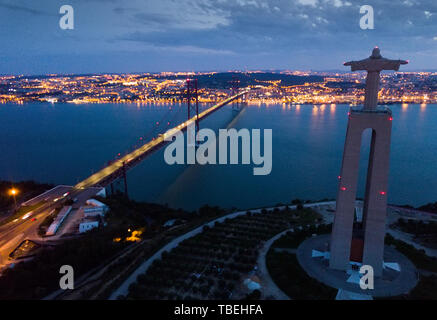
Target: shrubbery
{"points": [[211, 264], [293, 280], [418, 257]]}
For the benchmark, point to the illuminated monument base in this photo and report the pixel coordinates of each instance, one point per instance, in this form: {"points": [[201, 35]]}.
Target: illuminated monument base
{"points": [[399, 275]]}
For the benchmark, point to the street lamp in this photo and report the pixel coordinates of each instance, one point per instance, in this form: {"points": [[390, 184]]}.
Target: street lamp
{"points": [[13, 192]]}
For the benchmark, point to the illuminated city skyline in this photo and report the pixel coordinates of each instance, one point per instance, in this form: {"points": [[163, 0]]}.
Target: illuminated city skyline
{"points": [[291, 87]]}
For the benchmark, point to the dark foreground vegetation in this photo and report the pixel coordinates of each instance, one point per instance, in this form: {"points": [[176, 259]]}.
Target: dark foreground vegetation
{"points": [[424, 233], [418, 257], [294, 239], [429, 207], [426, 289], [289, 276], [215, 263], [286, 271], [37, 278]]}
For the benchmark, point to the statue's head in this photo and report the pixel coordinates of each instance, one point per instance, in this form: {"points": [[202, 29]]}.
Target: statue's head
{"points": [[376, 53]]}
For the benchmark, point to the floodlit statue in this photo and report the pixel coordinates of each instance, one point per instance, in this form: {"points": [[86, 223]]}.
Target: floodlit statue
{"points": [[374, 65]]}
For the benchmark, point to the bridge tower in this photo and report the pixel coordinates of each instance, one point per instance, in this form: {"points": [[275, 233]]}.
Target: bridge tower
{"points": [[235, 89], [112, 183], [120, 173], [244, 99], [123, 170], [192, 91]]}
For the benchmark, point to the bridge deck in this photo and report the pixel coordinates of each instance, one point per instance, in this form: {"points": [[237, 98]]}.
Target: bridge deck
{"points": [[112, 171]]}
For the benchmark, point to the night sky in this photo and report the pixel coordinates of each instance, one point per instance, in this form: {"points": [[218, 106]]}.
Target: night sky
{"points": [[205, 35]]}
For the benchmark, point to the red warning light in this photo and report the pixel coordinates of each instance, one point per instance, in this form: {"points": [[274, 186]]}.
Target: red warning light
{"points": [[383, 193], [391, 118], [338, 177], [343, 188]]}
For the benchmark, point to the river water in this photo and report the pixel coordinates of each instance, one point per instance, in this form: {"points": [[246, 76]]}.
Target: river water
{"points": [[64, 143]]}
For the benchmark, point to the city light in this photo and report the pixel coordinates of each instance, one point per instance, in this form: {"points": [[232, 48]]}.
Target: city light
{"points": [[166, 88], [13, 192]]}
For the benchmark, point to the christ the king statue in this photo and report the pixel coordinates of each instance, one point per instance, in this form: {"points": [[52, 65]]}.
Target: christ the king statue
{"points": [[374, 65]]}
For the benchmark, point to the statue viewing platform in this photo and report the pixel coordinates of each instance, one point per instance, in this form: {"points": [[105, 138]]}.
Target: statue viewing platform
{"points": [[377, 109]]}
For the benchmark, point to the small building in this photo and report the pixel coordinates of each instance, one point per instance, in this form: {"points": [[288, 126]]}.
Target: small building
{"points": [[90, 211], [54, 227], [95, 203], [94, 208], [88, 223]]}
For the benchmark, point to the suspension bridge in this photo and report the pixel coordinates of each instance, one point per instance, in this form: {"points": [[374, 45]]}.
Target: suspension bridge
{"points": [[118, 168]]}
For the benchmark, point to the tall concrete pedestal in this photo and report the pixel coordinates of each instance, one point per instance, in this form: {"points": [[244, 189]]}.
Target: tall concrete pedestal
{"points": [[366, 238], [375, 202]]}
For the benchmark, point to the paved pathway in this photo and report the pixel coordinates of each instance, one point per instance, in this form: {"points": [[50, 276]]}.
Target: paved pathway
{"points": [[270, 289]]}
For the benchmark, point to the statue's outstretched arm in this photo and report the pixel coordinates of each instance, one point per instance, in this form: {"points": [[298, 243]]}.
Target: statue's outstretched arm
{"points": [[393, 64], [356, 65]]}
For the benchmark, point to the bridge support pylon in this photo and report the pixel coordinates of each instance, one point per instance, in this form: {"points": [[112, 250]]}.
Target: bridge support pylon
{"points": [[235, 89], [192, 91], [244, 99], [123, 170]]}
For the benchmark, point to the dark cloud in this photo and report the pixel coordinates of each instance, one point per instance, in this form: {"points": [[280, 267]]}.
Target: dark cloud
{"points": [[14, 7], [314, 34], [160, 19]]}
